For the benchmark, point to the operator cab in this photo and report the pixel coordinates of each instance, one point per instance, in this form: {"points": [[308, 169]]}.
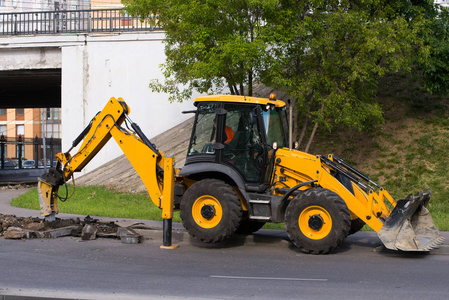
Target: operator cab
{"points": [[237, 134]]}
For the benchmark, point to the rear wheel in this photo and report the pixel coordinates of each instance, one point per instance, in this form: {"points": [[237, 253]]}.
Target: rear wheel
{"points": [[317, 221], [210, 210]]}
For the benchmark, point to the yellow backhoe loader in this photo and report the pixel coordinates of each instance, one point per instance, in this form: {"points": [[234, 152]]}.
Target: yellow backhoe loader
{"points": [[242, 172]]}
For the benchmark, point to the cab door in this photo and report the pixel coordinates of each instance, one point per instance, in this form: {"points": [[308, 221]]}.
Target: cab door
{"points": [[244, 144]]}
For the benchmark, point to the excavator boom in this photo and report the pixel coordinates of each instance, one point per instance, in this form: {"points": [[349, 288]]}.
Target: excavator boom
{"points": [[156, 171]]}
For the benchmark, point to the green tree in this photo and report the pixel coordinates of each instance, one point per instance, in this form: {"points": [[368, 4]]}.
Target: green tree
{"points": [[326, 55], [435, 69], [210, 45], [330, 55]]}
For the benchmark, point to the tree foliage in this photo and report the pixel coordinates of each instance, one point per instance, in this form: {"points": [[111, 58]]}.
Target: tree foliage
{"points": [[435, 69], [210, 45], [328, 55]]}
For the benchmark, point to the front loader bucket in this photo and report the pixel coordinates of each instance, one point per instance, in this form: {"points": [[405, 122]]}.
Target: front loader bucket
{"points": [[410, 226]]}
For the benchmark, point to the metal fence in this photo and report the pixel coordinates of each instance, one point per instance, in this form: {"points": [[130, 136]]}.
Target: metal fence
{"points": [[72, 21], [27, 153]]}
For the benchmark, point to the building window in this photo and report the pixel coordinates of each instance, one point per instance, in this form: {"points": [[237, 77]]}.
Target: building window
{"points": [[20, 130], [20, 114], [52, 114], [53, 131], [3, 130], [53, 122], [2, 113]]}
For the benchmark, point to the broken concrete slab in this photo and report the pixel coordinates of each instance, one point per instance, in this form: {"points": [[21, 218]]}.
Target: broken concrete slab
{"points": [[129, 236], [54, 233], [21, 233], [89, 232], [14, 233]]}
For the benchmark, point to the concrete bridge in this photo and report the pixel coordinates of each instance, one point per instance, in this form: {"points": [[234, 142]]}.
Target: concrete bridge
{"points": [[79, 71]]}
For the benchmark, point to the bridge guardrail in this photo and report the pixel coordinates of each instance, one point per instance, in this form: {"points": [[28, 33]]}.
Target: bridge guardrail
{"points": [[72, 21]]}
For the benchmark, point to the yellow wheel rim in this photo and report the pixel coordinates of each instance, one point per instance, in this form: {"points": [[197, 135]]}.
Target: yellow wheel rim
{"points": [[207, 211], [315, 222]]}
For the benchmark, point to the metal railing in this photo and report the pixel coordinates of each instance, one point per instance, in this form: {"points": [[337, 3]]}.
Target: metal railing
{"points": [[72, 21], [27, 153]]}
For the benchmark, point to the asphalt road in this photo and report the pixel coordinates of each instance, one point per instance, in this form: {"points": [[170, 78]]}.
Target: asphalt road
{"points": [[262, 266]]}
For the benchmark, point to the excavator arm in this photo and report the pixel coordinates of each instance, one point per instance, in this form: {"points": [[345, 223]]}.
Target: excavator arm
{"points": [[155, 170]]}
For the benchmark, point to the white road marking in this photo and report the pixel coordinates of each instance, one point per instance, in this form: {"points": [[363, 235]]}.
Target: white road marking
{"points": [[266, 278]]}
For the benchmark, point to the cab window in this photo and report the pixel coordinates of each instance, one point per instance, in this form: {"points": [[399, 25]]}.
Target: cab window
{"points": [[274, 121], [204, 132]]}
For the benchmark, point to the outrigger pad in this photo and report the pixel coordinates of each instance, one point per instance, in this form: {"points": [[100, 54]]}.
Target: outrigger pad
{"points": [[410, 226]]}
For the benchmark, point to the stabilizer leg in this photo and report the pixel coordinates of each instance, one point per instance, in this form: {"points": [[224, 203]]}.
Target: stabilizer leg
{"points": [[167, 235]]}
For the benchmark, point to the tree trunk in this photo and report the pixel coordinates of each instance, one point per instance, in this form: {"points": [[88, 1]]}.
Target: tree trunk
{"points": [[231, 89], [250, 83], [304, 126], [312, 135]]}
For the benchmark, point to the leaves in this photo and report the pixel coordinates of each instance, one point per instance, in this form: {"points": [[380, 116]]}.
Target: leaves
{"points": [[210, 45], [331, 54], [327, 55]]}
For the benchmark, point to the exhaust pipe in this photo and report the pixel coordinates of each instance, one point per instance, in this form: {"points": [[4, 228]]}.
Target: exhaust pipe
{"points": [[410, 226]]}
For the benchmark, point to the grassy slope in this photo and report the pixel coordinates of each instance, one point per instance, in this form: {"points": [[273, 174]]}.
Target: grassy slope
{"points": [[407, 154]]}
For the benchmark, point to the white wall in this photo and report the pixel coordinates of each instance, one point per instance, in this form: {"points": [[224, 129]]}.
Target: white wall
{"points": [[115, 66], [96, 67]]}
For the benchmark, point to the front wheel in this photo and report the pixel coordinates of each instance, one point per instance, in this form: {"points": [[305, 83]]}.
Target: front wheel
{"points": [[210, 210], [317, 221]]}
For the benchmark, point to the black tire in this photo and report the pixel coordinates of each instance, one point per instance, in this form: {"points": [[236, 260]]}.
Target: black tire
{"points": [[210, 210], [249, 226], [356, 225], [317, 221]]}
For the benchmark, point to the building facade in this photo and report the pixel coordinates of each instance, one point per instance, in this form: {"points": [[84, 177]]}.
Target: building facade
{"points": [[22, 130]]}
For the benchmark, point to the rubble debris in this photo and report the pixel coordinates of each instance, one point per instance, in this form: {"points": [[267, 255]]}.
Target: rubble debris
{"points": [[89, 232], [12, 227], [14, 233], [129, 236]]}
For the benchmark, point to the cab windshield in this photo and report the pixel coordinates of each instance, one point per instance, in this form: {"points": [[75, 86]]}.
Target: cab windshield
{"points": [[204, 132], [275, 127]]}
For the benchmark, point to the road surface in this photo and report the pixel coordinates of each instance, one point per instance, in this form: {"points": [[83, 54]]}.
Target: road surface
{"points": [[260, 266]]}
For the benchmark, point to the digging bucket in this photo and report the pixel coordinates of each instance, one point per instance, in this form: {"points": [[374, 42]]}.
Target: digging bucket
{"points": [[410, 226]]}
